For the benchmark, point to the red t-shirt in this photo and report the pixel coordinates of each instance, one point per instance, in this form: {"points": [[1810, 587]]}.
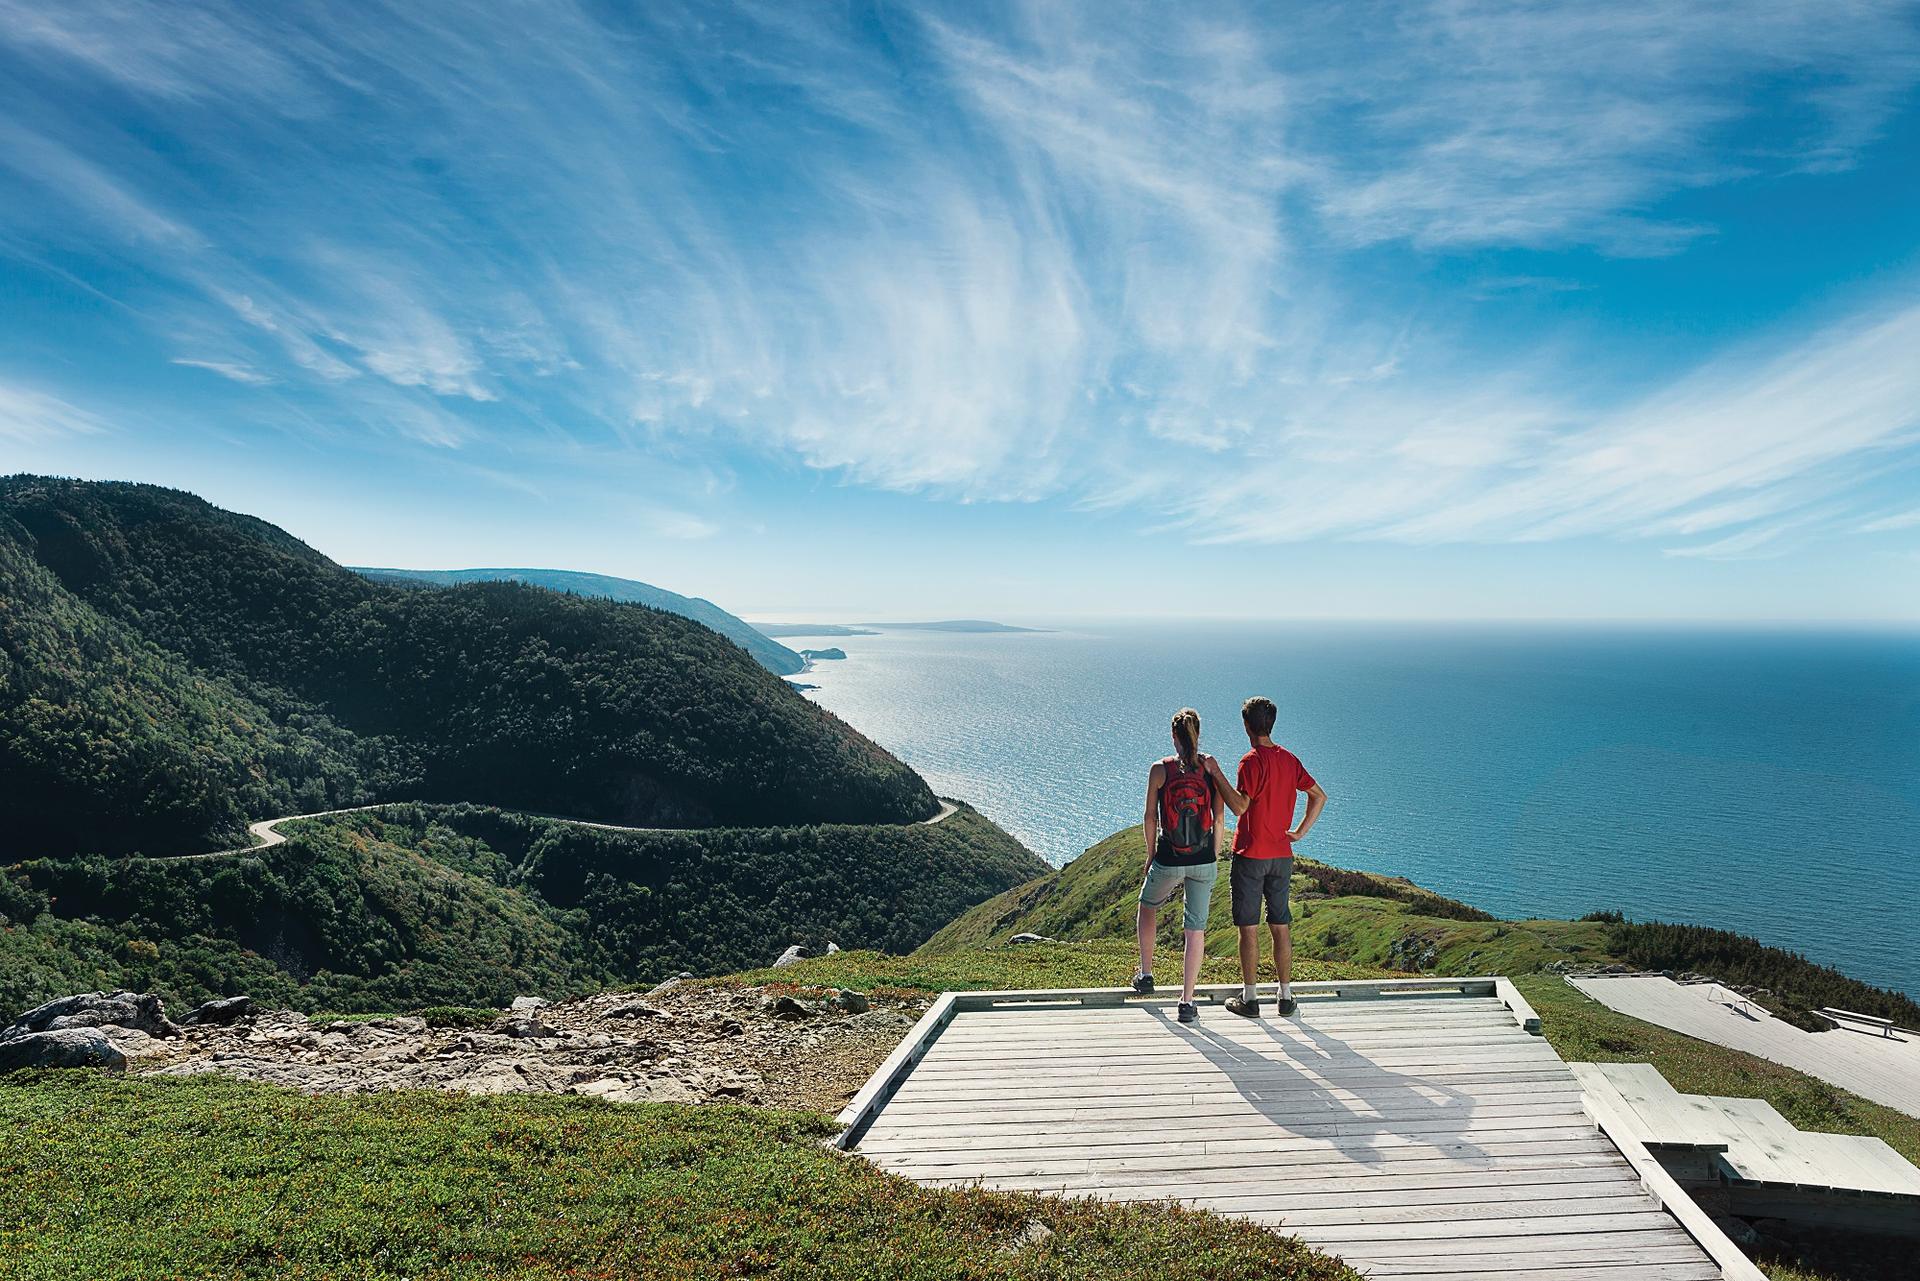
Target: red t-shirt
{"points": [[1271, 777]]}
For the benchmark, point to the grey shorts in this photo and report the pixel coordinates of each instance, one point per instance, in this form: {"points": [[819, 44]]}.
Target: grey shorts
{"points": [[1254, 879], [1195, 883]]}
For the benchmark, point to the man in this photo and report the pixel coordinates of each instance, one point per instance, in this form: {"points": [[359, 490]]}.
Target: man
{"points": [[1270, 780]]}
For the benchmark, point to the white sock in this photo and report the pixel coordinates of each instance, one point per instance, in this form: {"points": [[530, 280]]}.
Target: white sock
{"points": [[1284, 991], [1249, 991]]}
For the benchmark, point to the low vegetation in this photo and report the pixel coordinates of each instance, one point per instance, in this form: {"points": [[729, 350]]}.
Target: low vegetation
{"points": [[1362, 919], [413, 906], [205, 1177], [1092, 963]]}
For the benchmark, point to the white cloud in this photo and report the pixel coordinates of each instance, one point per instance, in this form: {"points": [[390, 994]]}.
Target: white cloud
{"points": [[28, 416], [233, 370], [1887, 524]]}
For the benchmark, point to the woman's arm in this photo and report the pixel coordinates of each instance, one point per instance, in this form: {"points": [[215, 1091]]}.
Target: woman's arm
{"points": [[1150, 827], [1227, 791]]}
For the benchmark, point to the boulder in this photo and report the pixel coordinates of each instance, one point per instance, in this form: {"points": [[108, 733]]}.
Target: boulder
{"points": [[527, 1004], [219, 1013], [791, 956], [1031, 938], [141, 1010], [851, 1001], [637, 1010], [526, 1028], [70, 1047], [667, 985], [785, 1007], [832, 948]]}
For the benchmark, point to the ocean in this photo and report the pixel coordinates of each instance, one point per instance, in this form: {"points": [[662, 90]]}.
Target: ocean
{"points": [[1765, 782]]}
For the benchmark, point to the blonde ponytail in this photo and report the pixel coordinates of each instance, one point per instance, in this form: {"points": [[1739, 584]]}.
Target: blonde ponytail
{"points": [[1186, 736]]}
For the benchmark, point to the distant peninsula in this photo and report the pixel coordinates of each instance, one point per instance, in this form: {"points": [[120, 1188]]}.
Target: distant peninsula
{"points": [[873, 629], [822, 655], [812, 629], [775, 657]]}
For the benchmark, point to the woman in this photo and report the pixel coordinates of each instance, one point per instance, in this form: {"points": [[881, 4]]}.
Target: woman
{"points": [[1187, 794]]}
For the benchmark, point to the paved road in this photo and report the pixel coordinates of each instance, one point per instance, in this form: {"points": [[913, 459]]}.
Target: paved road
{"points": [[266, 832]]}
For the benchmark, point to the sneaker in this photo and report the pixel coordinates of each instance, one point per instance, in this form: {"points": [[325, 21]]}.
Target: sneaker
{"points": [[1243, 1007], [1188, 1014], [1143, 984], [1286, 1005]]}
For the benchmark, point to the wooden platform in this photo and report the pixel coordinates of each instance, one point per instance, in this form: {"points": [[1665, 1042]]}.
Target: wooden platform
{"points": [[1414, 1127], [1744, 1144]]}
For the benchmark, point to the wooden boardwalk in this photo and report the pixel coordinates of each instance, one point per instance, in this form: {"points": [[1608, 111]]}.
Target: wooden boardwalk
{"points": [[1414, 1128], [1884, 1068]]}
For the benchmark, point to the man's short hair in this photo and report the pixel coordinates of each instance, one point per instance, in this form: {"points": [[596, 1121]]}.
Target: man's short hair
{"points": [[1258, 715]]}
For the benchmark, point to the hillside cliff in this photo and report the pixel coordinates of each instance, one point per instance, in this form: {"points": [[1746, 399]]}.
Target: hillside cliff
{"points": [[169, 670]]}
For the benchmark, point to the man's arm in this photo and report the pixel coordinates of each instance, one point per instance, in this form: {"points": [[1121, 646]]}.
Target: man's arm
{"points": [[1316, 801], [1150, 826], [1235, 799]]}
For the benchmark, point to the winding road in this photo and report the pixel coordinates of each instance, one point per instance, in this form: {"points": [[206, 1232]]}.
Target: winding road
{"points": [[266, 832]]}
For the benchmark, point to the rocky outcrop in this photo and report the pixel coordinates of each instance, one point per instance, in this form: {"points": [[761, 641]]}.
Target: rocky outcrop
{"points": [[680, 1043], [139, 1011], [219, 1013], [68, 1047]]}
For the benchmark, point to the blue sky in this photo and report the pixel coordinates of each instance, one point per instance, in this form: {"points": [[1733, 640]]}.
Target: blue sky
{"points": [[1031, 311]]}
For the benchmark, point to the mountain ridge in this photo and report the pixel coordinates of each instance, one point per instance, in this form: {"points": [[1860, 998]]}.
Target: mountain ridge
{"points": [[772, 655], [170, 670]]}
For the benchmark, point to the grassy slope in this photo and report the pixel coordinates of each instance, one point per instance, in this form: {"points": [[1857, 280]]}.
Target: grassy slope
{"points": [[115, 1178]]}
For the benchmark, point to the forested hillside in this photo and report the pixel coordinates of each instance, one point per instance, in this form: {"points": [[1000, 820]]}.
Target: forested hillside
{"points": [[418, 905], [772, 655], [169, 670]]}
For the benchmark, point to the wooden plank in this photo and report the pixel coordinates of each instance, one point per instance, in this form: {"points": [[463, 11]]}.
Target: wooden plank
{"points": [[1650, 1264], [966, 1151], [883, 1136], [1291, 1082], [1659, 1244], [1761, 1144], [1406, 1166], [1340, 989], [1149, 1111], [1410, 1065], [906, 1110], [1033, 1163], [1222, 1112], [917, 1095], [1858, 1162], [1350, 1178], [1573, 1272], [1161, 1008], [1128, 1031], [1231, 1197], [1242, 1036], [1418, 1216], [1486, 1230], [1665, 1116]]}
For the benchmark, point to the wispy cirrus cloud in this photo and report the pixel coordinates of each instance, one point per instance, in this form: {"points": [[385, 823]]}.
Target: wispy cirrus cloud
{"points": [[1019, 252], [29, 415]]}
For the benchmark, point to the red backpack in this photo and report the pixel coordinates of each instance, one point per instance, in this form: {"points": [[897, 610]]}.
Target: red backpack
{"points": [[1186, 809]]}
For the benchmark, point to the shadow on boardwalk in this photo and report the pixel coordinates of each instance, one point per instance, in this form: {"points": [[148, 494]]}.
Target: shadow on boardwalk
{"points": [[1287, 1097]]}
